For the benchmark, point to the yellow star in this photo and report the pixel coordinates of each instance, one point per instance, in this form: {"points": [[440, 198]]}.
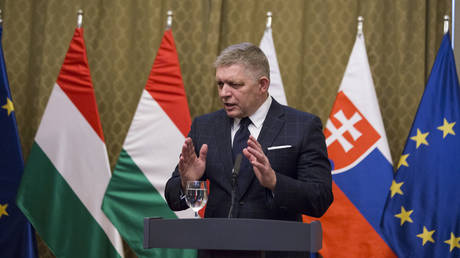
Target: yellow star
{"points": [[453, 241], [447, 128], [403, 160], [404, 215], [426, 235], [3, 210], [8, 106], [396, 188], [420, 138]]}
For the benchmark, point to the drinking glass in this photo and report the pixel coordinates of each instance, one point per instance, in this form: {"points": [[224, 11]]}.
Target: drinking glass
{"points": [[196, 195]]}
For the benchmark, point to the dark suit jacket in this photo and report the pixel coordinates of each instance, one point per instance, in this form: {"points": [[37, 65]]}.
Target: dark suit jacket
{"points": [[303, 172]]}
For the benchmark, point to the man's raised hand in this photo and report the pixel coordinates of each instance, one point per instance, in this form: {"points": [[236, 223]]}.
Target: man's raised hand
{"points": [[191, 167]]}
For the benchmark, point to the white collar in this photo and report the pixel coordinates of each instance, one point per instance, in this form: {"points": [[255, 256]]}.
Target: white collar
{"points": [[259, 116]]}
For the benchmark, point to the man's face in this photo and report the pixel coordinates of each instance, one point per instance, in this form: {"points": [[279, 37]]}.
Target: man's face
{"points": [[240, 92]]}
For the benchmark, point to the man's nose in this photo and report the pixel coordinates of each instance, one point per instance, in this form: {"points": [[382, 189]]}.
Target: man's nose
{"points": [[225, 91]]}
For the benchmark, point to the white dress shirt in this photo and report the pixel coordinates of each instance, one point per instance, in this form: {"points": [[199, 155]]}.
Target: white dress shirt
{"points": [[257, 120]]}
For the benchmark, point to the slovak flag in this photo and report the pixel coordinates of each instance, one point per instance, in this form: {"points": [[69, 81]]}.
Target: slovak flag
{"points": [[362, 165]]}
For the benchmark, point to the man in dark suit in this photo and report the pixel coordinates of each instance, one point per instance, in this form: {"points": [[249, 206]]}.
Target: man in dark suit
{"points": [[285, 171]]}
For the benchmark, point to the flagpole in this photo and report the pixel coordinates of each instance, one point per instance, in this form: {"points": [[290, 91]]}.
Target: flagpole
{"points": [[79, 18], [169, 20], [360, 25], [269, 20], [453, 23]]}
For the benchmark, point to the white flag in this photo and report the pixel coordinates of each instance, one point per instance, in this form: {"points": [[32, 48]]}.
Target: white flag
{"points": [[276, 88]]}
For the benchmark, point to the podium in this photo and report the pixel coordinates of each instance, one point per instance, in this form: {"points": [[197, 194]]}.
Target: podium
{"points": [[233, 234]]}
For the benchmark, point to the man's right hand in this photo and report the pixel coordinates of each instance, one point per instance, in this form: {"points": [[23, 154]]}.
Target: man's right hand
{"points": [[191, 167]]}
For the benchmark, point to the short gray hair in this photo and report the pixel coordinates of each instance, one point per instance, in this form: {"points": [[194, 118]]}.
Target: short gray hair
{"points": [[247, 54]]}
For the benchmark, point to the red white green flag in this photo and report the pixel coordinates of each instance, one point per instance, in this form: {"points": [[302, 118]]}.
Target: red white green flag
{"points": [[150, 153], [68, 170]]}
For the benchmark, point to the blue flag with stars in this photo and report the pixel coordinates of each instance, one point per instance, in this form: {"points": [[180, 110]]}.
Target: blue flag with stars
{"points": [[422, 213], [17, 238]]}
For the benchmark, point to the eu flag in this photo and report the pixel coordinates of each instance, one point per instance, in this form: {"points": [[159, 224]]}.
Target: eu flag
{"points": [[422, 214], [17, 238]]}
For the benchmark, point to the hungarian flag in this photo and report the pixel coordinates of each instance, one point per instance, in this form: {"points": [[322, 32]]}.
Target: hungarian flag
{"points": [[362, 168], [276, 88], [68, 169], [150, 153]]}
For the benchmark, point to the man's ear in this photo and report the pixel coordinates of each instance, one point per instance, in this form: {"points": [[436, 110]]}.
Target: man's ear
{"points": [[264, 83]]}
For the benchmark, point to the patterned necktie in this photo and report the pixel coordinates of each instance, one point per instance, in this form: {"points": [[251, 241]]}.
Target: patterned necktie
{"points": [[241, 138]]}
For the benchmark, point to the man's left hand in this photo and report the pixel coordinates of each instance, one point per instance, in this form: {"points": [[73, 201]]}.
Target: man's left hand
{"points": [[260, 163]]}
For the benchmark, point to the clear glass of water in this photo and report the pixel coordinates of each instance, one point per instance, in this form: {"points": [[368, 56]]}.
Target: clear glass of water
{"points": [[196, 195]]}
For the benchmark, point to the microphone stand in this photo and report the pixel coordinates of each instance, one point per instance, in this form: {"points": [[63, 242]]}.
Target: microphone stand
{"points": [[235, 172]]}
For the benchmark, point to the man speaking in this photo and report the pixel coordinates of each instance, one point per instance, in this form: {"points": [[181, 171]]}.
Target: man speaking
{"points": [[284, 170]]}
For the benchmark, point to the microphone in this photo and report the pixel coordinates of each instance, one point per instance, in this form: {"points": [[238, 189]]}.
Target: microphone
{"points": [[236, 167], [235, 173]]}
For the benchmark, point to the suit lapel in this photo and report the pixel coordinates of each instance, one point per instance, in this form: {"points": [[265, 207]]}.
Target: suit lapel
{"points": [[224, 147], [273, 124], [271, 128]]}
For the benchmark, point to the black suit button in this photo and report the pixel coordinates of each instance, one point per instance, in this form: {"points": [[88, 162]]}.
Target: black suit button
{"points": [[241, 203]]}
